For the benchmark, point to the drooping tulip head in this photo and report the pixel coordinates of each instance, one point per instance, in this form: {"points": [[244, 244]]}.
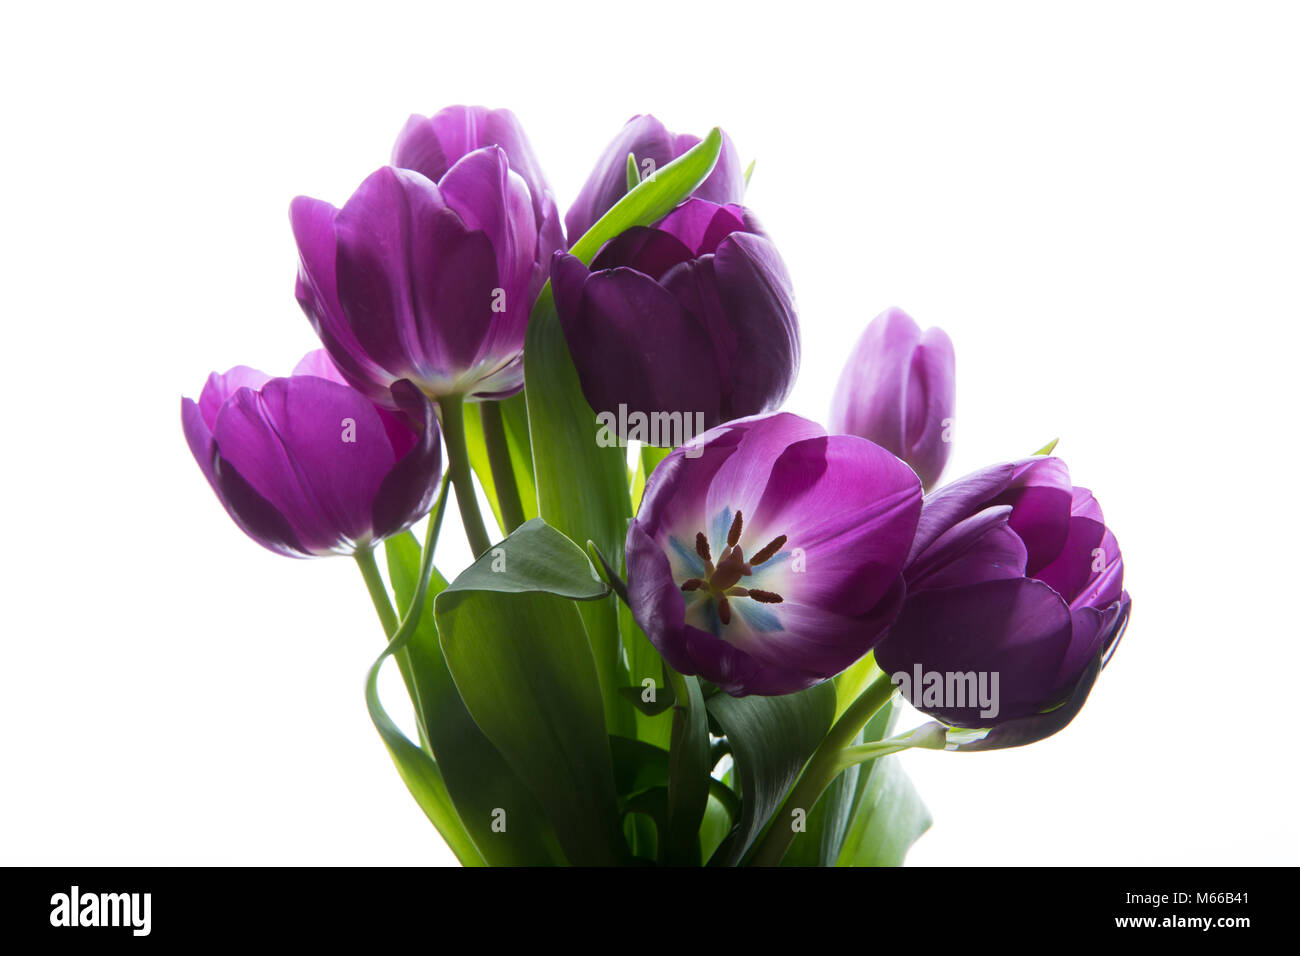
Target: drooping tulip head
{"points": [[653, 147], [1013, 574], [307, 466], [898, 389], [772, 559], [431, 145], [694, 317], [423, 281]]}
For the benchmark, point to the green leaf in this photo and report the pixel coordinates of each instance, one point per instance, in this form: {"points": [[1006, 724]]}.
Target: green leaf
{"points": [[480, 783], [1048, 448], [663, 699], [771, 739], [749, 171], [421, 775], [514, 643], [688, 773], [582, 488], [890, 817], [715, 827]]}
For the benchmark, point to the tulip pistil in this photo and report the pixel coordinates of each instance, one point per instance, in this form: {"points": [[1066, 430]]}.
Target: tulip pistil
{"points": [[723, 579]]}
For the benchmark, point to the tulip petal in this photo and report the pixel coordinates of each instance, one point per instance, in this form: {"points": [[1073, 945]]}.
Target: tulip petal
{"points": [[317, 292], [633, 345], [1018, 629], [316, 451], [407, 491], [931, 402], [850, 508]]}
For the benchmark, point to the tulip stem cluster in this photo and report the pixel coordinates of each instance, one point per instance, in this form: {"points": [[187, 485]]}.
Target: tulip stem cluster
{"points": [[822, 768], [452, 410]]}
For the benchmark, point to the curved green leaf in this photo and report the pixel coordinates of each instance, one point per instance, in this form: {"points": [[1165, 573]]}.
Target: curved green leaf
{"points": [[515, 646], [771, 740], [689, 769], [889, 818], [493, 804]]}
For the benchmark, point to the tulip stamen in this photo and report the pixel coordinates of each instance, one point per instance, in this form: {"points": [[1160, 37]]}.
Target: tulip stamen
{"points": [[723, 580], [768, 551], [733, 536]]}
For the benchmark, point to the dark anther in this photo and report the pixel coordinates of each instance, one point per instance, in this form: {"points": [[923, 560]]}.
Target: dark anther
{"points": [[724, 610], [692, 584], [765, 597], [702, 546], [734, 534], [771, 549]]}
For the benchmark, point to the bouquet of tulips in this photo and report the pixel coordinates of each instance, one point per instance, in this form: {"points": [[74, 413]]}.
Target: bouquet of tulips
{"points": [[690, 615]]}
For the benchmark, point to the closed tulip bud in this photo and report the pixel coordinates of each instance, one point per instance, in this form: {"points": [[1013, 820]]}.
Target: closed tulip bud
{"points": [[423, 281], [652, 147], [693, 317], [767, 556], [431, 145], [307, 466], [898, 389], [1013, 574]]}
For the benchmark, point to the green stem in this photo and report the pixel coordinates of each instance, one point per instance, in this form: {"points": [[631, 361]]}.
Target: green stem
{"points": [[822, 768], [503, 475], [453, 432], [378, 592]]}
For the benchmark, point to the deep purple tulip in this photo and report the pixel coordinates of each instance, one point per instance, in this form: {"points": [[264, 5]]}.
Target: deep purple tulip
{"points": [[898, 389], [308, 466], [1013, 573], [693, 316], [423, 281], [772, 559], [654, 147], [431, 145]]}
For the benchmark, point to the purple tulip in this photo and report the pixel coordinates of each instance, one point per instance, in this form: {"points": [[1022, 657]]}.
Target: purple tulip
{"points": [[307, 465], [423, 281], [654, 147], [898, 390], [1013, 574], [772, 559], [693, 316], [431, 145]]}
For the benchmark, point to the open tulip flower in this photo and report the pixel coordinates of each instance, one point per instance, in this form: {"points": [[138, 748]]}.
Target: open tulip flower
{"points": [[687, 651], [772, 560]]}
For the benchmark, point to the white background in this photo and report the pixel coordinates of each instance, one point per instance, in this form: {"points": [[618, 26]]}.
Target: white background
{"points": [[1099, 202]]}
